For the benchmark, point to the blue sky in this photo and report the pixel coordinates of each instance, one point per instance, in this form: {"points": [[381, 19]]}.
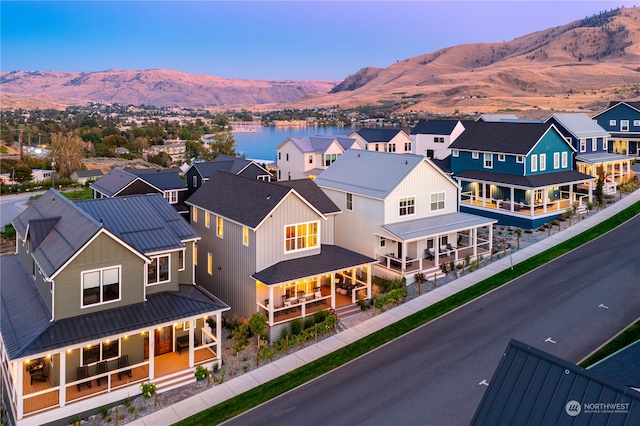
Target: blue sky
{"points": [[260, 39]]}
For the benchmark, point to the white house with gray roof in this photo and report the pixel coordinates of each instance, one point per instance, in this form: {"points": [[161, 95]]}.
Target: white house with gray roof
{"points": [[384, 140], [307, 157], [402, 210]]}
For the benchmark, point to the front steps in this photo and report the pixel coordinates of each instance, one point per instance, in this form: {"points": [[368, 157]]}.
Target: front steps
{"points": [[175, 380], [348, 311]]}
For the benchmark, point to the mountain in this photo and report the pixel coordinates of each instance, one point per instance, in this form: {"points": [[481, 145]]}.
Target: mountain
{"points": [[579, 66], [149, 87]]}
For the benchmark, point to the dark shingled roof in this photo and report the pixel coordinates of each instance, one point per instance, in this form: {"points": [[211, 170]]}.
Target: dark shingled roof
{"points": [[434, 127], [501, 137], [624, 365], [113, 182], [634, 104], [146, 222], [72, 229], [378, 135], [535, 388], [330, 259], [25, 320], [444, 164], [534, 181], [312, 193], [241, 199], [23, 314], [163, 179], [223, 163]]}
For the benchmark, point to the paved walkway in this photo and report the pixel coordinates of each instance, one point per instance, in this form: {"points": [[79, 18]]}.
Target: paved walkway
{"points": [[245, 382]]}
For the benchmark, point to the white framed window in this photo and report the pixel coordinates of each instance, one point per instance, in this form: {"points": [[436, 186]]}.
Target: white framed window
{"points": [[556, 160], [245, 235], [583, 145], [100, 286], [279, 156], [636, 123], [207, 219], [301, 236], [438, 139], [437, 201], [612, 122], [565, 159], [186, 325], [605, 144], [219, 226], [594, 144], [171, 196], [543, 162], [330, 158], [501, 157], [569, 139], [103, 351], [159, 270], [475, 155], [534, 162], [455, 152], [624, 125], [488, 161], [407, 147], [349, 201], [194, 181], [391, 147], [311, 159], [407, 206], [181, 260], [520, 159], [209, 264], [383, 241], [194, 213]]}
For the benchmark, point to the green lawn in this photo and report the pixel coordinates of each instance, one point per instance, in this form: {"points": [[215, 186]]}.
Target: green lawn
{"points": [[282, 384], [627, 337]]}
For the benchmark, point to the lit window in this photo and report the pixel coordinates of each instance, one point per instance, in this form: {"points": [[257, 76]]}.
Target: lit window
{"points": [[437, 201], [100, 286], [534, 162], [194, 213], [207, 219], [158, 269], [181, 260], [301, 236], [195, 254], [407, 206], [245, 235], [209, 264], [349, 203], [219, 222]]}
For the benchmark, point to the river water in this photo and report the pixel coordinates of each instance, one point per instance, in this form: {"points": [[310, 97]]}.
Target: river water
{"points": [[262, 145]]}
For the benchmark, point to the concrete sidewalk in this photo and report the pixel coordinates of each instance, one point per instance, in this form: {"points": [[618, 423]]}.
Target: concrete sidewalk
{"points": [[249, 380]]}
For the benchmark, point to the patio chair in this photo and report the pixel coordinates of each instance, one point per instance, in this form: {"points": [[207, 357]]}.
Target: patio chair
{"points": [[82, 373], [41, 373], [102, 369], [123, 361], [428, 254], [451, 248]]}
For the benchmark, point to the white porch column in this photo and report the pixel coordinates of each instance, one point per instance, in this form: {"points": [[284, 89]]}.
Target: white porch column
{"points": [[436, 250], [490, 238], [271, 306], [570, 194], [591, 191], [20, 391], [63, 379], [475, 241], [544, 199], [531, 198], [368, 268], [484, 192], [333, 290], [512, 195], [152, 350], [218, 338], [353, 282], [192, 326]]}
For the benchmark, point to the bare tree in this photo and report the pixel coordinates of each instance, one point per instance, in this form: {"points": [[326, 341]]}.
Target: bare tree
{"points": [[66, 151]]}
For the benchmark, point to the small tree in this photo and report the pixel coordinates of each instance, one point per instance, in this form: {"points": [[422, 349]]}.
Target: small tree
{"points": [[600, 192], [258, 326]]}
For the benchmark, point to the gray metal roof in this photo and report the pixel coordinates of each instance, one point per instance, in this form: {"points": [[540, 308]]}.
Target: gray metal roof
{"points": [[535, 388], [26, 329], [23, 314], [369, 173], [320, 143], [428, 226], [601, 157], [331, 259], [621, 366], [489, 118], [71, 231], [163, 179], [533, 181], [146, 222], [224, 163], [580, 125]]}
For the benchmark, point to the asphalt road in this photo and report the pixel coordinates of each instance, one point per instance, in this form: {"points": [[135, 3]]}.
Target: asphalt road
{"points": [[12, 205], [434, 375]]}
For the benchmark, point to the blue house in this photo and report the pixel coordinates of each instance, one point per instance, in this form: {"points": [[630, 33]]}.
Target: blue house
{"points": [[519, 173], [590, 141], [622, 121]]}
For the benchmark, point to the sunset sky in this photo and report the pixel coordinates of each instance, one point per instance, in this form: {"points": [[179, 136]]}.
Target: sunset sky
{"points": [[260, 39]]}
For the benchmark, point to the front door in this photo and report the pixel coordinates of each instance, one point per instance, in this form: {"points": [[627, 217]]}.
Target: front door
{"points": [[399, 250], [163, 340]]}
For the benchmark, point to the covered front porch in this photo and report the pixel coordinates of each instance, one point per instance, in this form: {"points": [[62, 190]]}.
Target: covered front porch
{"points": [[615, 168], [298, 288], [422, 245]]}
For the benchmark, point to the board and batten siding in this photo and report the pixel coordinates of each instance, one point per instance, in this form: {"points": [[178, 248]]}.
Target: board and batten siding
{"points": [[551, 142], [44, 287], [271, 234], [233, 265], [355, 229], [186, 276], [103, 252], [423, 181], [295, 165]]}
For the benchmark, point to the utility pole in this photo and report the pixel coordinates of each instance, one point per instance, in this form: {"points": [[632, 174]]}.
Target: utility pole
{"points": [[20, 139]]}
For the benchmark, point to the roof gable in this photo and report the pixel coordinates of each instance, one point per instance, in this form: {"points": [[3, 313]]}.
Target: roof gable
{"points": [[318, 144], [579, 125], [312, 193], [224, 163], [616, 104], [434, 127], [377, 135], [113, 182], [163, 179]]}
